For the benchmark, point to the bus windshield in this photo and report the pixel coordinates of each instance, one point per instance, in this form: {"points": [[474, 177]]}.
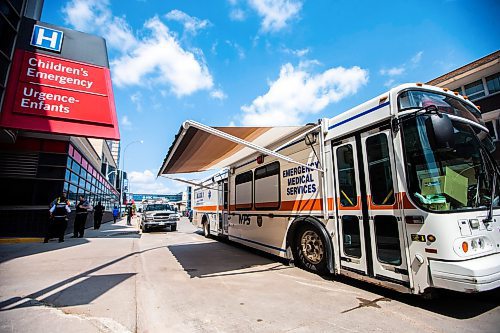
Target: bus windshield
{"points": [[460, 177]]}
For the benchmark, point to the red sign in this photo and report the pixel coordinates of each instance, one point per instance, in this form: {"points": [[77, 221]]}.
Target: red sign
{"points": [[50, 94]]}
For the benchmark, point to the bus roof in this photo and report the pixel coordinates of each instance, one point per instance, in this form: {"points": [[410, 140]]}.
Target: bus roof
{"points": [[376, 110]]}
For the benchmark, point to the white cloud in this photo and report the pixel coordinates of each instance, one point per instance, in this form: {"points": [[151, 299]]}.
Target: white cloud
{"points": [[218, 94], [416, 58], [394, 71], [191, 24], [238, 48], [298, 53], [136, 99], [126, 122], [160, 59], [237, 14], [402, 69], [155, 58], [390, 83], [145, 182], [298, 93], [275, 13], [94, 16]]}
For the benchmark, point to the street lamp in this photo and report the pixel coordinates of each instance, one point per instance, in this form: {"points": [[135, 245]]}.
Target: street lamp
{"points": [[123, 167]]}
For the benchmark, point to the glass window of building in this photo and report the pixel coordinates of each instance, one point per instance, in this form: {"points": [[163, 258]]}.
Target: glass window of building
{"points": [[493, 83], [475, 90]]}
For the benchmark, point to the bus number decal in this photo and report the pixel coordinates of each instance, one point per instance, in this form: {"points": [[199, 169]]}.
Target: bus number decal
{"points": [[244, 219]]}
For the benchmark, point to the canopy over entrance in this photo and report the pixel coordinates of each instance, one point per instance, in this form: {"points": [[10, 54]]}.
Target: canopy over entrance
{"points": [[198, 147]]}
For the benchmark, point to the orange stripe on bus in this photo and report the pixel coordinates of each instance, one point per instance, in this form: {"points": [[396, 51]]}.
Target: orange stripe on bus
{"points": [[373, 206], [299, 205], [205, 208], [315, 205], [406, 202], [357, 207]]}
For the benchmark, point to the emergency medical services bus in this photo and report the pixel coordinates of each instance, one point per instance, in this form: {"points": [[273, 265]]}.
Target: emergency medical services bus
{"points": [[401, 191]]}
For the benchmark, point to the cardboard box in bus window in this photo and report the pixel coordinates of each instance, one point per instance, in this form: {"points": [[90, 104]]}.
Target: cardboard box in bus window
{"points": [[452, 184]]}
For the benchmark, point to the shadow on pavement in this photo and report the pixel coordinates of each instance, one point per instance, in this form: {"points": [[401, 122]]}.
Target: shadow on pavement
{"points": [[94, 287], [211, 259], [444, 302], [13, 251], [200, 260], [87, 290]]}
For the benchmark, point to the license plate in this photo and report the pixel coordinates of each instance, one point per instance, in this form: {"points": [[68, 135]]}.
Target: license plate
{"points": [[161, 223]]}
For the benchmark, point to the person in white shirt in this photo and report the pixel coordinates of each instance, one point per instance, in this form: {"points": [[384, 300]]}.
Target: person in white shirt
{"points": [[59, 217]]}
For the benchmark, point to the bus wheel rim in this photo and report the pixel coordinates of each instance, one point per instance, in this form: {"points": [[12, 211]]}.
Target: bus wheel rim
{"points": [[312, 247]]}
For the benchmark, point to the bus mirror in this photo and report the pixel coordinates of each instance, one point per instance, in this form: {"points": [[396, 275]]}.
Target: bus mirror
{"points": [[440, 131]]}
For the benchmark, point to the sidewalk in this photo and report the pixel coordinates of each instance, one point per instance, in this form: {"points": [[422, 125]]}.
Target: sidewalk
{"points": [[110, 229], [107, 229], [81, 285]]}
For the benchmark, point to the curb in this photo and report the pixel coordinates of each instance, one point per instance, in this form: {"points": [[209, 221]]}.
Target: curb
{"points": [[19, 240]]}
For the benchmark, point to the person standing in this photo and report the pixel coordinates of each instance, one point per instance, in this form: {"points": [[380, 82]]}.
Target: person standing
{"points": [[98, 213], [116, 212], [59, 215], [81, 217], [129, 214]]}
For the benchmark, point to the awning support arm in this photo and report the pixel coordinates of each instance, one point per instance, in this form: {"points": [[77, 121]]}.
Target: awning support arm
{"points": [[190, 182], [242, 142], [297, 137]]}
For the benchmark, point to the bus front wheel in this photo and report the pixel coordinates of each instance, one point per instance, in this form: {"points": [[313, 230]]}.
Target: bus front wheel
{"points": [[309, 249]]}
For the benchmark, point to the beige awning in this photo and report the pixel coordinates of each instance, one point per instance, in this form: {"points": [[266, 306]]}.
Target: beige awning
{"points": [[198, 147]]}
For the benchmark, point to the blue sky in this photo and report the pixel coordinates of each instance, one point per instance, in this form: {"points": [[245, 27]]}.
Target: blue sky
{"points": [[265, 62]]}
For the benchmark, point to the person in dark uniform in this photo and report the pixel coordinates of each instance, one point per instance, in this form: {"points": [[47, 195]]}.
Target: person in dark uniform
{"points": [[59, 216], [98, 213], [81, 217], [129, 214]]}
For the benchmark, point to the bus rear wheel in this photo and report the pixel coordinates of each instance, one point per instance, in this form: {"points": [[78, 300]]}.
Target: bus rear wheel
{"points": [[309, 249]]}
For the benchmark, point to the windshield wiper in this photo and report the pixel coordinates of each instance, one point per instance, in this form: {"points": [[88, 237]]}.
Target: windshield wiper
{"points": [[429, 109]]}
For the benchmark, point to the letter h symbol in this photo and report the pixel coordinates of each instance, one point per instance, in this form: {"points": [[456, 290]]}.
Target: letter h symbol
{"points": [[47, 38]]}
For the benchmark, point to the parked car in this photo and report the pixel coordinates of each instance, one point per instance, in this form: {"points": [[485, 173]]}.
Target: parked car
{"points": [[159, 215]]}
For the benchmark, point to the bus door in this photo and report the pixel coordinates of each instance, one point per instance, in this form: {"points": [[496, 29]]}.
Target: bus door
{"points": [[353, 254], [223, 204], [386, 233]]}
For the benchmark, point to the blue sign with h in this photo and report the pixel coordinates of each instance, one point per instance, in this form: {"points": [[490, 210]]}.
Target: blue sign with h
{"points": [[47, 38]]}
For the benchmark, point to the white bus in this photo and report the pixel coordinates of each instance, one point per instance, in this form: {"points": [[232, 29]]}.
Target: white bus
{"points": [[401, 191]]}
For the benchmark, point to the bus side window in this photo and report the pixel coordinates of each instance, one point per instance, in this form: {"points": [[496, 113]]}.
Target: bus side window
{"points": [[379, 170], [267, 186], [346, 176], [243, 191]]}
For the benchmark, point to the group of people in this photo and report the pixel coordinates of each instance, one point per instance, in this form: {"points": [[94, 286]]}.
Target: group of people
{"points": [[58, 220]]}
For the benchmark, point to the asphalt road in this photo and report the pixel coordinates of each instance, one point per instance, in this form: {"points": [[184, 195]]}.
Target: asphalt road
{"points": [[118, 280]]}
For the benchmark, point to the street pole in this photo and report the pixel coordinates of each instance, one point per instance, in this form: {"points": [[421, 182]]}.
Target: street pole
{"points": [[123, 169]]}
